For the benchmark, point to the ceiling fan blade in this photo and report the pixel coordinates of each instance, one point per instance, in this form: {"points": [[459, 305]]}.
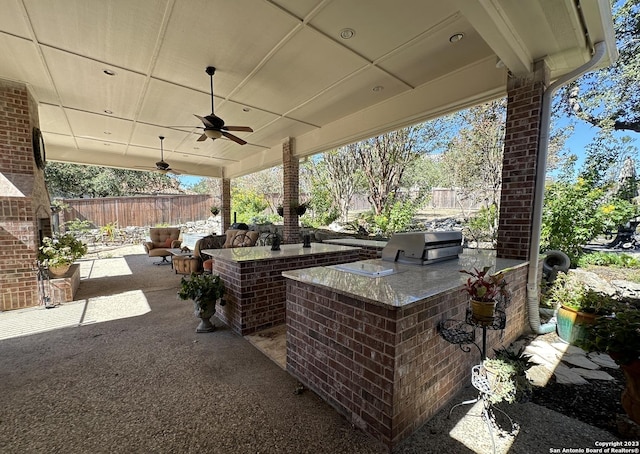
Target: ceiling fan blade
{"points": [[234, 138], [238, 128], [202, 138], [206, 122]]}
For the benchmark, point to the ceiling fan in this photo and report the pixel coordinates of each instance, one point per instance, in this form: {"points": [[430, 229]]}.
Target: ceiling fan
{"points": [[214, 127], [162, 166]]}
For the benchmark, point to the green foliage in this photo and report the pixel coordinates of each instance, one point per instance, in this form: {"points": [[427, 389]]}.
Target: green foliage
{"points": [[618, 335], [203, 289], [574, 214], [395, 218], [60, 250], [247, 203], [77, 226], [518, 364], [484, 225], [74, 181], [567, 290], [109, 230], [609, 259], [500, 375], [608, 98]]}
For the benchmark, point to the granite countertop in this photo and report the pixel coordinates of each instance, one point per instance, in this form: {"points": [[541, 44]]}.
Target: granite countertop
{"points": [[407, 284], [247, 254], [356, 242]]}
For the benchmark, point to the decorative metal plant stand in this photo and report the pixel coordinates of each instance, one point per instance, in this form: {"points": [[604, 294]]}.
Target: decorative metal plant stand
{"points": [[463, 334], [481, 383]]}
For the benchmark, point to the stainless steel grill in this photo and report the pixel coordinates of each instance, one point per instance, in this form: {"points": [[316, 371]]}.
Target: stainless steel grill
{"points": [[423, 248]]}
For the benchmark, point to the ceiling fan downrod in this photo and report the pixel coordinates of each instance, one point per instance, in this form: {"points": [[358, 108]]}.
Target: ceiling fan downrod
{"points": [[211, 71]]}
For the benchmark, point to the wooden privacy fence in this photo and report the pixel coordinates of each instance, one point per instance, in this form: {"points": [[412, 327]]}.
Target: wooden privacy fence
{"points": [[139, 211]]}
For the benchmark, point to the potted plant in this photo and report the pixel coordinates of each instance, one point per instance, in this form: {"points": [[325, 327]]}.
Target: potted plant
{"points": [[618, 335], [204, 290], [484, 289], [299, 209], [577, 306], [59, 252], [500, 378]]}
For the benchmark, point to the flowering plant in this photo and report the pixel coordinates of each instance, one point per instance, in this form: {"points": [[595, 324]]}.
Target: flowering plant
{"points": [[485, 287], [60, 250]]}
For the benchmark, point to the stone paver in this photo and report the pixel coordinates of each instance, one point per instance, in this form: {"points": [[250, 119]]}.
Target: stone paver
{"points": [[603, 360], [593, 374], [567, 376], [568, 348], [580, 360]]}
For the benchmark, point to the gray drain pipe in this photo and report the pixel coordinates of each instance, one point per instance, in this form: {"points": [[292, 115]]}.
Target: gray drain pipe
{"points": [[533, 302]]}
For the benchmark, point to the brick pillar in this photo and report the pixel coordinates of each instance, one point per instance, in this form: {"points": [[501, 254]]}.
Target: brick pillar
{"points": [[24, 200], [522, 142], [290, 166], [226, 204]]}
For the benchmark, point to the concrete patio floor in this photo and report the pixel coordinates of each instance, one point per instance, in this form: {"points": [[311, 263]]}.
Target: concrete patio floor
{"points": [[121, 369]]}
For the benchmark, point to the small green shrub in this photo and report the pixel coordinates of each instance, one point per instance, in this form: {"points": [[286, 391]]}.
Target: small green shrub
{"points": [[484, 225], [77, 226], [609, 259]]}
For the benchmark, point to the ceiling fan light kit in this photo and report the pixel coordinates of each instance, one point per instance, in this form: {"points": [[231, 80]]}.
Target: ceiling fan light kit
{"points": [[213, 134]]}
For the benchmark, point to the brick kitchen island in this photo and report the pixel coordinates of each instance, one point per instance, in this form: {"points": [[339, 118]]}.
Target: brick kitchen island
{"points": [[254, 286], [369, 346]]}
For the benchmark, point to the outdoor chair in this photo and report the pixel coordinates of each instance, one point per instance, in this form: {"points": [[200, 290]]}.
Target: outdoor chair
{"points": [[241, 238], [162, 238], [197, 263]]}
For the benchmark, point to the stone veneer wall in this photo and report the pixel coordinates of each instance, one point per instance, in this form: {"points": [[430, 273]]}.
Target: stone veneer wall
{"points": [[519, 167], [255, 291], [24, 200], [386, 369]]}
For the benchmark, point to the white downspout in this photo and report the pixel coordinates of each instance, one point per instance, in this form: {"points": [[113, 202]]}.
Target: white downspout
{"points": [[541, 170]]}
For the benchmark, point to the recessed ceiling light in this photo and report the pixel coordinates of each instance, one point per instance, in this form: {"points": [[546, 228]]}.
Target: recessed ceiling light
{"points": [[107, 133], [347, 33], [378, 88], [196, 148], [455, 38], [109, 72], [245, 109], [108, 112], [106, 144]]}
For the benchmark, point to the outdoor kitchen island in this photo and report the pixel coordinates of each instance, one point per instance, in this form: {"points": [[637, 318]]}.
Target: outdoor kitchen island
{"points": [[366, 341], [254, 286]]}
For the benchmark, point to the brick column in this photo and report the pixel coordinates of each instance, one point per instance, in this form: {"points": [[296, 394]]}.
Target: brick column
{"points": [[226, 204], [522, 142], [24, 200], [290, 166]]}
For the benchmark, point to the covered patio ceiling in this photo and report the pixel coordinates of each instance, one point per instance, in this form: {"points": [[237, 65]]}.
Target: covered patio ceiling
{"points": [[284, 67]]}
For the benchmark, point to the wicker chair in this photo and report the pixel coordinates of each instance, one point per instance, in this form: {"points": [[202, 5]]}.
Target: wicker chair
{"points": [[197, 263]]}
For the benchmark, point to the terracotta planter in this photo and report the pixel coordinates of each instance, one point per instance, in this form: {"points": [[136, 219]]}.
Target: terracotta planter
{"points": [[483, 311], [58, 271], [571, 325], [631, 393]]}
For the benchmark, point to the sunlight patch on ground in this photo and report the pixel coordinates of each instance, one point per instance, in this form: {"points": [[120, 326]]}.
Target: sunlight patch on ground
{"points": [[93, 269], [34, 320], [473, 432]]}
